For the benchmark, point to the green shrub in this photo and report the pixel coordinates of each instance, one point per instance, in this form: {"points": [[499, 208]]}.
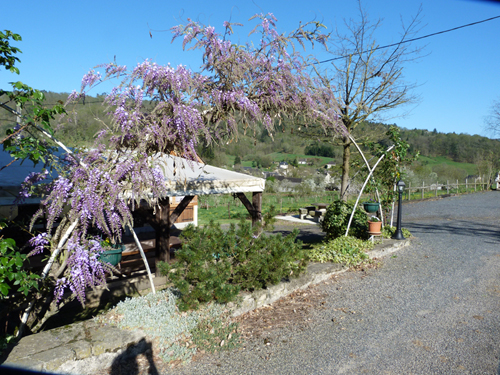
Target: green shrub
{"points": [[388, 232], [345, 250], [215, 265], [336, 219], [12, 274]]}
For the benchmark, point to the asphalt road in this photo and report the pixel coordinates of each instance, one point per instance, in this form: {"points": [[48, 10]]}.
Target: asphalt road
{"points": [[433, 308]]}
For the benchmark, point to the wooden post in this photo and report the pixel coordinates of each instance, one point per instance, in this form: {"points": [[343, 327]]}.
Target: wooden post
{"points": [[161, 221], [254, 208], [447, 187], [162, 251], [257, 206], [457, 186], [466, 186], [409, 191], [436, 192], [423, 185]]}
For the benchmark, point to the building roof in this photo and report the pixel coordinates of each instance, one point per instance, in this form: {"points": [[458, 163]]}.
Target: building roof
{"points": [[185, 177], [182, 176]]}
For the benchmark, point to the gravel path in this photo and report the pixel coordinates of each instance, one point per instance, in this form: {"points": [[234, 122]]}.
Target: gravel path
{"points": [[431, 309]]}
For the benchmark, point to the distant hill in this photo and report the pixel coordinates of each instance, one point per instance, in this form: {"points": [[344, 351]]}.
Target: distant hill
{"points": [[291, 140]]}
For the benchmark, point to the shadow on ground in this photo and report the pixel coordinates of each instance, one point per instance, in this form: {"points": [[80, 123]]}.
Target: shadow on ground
{"points": [[309, 234], [456, 227]]}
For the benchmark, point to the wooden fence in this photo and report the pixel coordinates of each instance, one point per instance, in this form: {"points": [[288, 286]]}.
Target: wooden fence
{"points": [[437, 188]]}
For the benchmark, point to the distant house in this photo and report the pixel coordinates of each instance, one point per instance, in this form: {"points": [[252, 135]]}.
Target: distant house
{"points": [[330, 164], [283, 165], [293, 180], [302, 161]]}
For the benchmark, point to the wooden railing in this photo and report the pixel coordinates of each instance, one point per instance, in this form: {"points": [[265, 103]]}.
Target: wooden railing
{"points": [[438, 188]]}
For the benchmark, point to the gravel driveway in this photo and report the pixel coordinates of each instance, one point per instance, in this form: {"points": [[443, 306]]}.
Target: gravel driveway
{"points": [[431, 309]]}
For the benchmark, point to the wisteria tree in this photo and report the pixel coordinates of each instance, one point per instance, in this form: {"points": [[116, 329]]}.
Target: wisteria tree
{"points": [[164, 109]]}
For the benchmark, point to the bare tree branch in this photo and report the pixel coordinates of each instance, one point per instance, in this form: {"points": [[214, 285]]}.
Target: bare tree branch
{"points": [[369, 80]]}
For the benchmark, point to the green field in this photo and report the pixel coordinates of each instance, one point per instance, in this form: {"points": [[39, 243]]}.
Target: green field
{"points": [[225, 209], [438, 160], [280, 156]]}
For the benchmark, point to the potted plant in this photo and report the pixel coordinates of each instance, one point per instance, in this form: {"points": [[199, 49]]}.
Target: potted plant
{"points": [[112, 253], [374, 226]]}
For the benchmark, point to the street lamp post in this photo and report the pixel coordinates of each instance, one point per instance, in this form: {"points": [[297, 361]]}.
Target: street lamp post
{"points": [[398, 235]]}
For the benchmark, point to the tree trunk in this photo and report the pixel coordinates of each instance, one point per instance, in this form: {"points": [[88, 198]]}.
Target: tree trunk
{"points": [[162, 253], [345, 168]]}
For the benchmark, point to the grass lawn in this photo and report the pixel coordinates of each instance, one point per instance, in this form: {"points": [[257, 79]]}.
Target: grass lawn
{"points": [[434, 161], [225, 209]]}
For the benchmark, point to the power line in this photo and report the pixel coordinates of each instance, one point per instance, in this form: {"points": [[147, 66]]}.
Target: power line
{"points": [[371, 50], [411, 40]]}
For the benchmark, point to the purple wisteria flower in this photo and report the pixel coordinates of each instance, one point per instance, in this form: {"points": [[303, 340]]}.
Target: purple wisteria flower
{"points": [[27, 185], [85, 270], [90, 78], [39, 242]]}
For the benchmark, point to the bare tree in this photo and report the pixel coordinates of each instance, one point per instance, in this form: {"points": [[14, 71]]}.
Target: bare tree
{"points": [[492, 122], [368, 78]]}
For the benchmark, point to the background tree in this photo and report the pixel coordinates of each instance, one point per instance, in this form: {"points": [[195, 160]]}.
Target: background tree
{"points": [[26, 138], [368, 80], [492, 122]]}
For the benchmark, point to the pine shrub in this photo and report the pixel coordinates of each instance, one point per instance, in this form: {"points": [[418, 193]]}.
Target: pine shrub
{"points": [[214, 264]]}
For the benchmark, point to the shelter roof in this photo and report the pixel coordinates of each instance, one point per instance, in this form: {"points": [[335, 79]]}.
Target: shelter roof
{"points": [[186, 177]]}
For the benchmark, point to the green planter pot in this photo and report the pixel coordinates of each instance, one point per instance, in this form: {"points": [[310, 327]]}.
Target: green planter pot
{"points": [[371, 206], [112, 256]]}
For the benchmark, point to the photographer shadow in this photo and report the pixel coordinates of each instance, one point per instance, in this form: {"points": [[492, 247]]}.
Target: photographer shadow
{"points": [[136, 360]]}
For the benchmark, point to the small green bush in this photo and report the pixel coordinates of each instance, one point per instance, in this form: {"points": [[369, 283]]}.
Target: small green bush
{"points": [[12, 274], [336, 219], [345, 250], [388, 232], [215, 265]]}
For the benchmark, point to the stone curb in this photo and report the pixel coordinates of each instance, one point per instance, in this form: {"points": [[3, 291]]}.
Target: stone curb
{"points": [[88, 344], [316, 273], [87, 347], [387, 247]]}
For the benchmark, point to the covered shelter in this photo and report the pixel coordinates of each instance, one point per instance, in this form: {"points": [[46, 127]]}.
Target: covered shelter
{"points": [[187, 179]]}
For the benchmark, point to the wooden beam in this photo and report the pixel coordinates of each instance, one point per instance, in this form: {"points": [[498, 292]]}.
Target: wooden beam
{"points": [[161, 221], [248, 205], [180, 208], [254, 208]]}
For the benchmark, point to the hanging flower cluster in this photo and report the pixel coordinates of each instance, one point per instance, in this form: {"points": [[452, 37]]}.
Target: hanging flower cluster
{"points": [[84, 268]]}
